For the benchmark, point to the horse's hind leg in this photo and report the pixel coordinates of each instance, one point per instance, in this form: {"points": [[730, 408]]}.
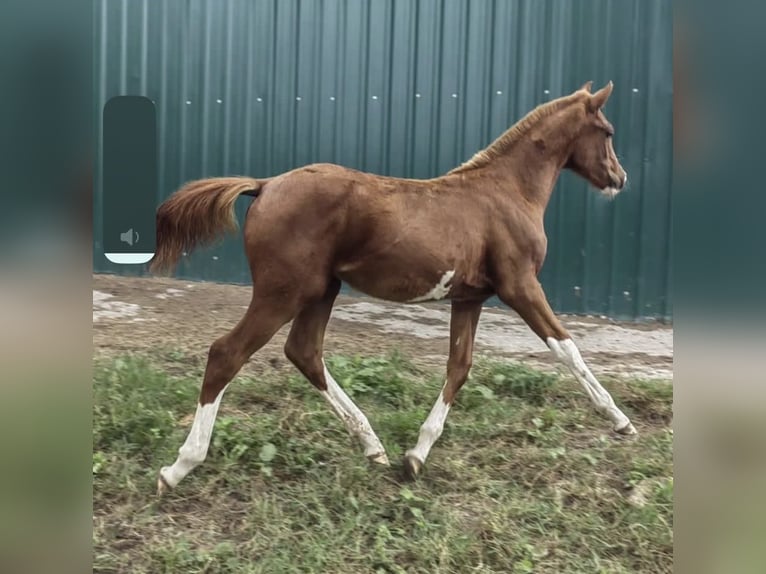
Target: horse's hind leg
{"points": [[227, 355], [304, 349]]}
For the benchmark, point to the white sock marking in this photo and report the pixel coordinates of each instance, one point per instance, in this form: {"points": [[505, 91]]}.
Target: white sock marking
{"points": [[440, 290], [194, 450], [431, 430], [354, 419], [568, 353]]}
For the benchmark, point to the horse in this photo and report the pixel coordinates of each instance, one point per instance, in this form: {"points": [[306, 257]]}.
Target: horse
{"points": [[470, 234]]}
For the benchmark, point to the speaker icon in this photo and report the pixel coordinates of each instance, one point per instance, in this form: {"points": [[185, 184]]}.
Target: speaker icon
{"points": [[128, 237]]}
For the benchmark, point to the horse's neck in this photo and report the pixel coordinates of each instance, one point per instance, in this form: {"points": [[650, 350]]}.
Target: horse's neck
{"points": [[528, 164], [527, 171]]}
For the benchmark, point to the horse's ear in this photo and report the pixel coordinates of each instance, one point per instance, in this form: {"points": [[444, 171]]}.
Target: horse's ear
{"points": [[586, 86], [598, 99]]}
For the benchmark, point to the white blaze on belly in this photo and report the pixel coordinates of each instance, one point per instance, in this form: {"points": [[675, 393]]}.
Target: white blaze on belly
{"points": [[440, 290]]}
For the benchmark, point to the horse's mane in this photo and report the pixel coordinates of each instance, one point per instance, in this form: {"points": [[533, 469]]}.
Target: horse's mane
{"points": [[515, 132]]}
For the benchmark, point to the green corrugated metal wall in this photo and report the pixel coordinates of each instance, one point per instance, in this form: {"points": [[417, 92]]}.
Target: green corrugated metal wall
{"points": [[408, 88]]}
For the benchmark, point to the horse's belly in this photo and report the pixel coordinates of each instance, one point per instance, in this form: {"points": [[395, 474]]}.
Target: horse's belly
{"points": [[409, 282]]}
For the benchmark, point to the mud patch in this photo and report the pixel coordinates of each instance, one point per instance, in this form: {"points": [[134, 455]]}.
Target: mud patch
{"points": [[103, 308], [170, 292]]}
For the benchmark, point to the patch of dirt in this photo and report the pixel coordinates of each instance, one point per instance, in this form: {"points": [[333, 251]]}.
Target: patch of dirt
{"points": [[138, 314]]}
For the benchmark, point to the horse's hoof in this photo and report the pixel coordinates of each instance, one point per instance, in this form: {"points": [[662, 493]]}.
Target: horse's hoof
{"points": [[412, 467], [162, 486], [626, 430], [379, 458]]}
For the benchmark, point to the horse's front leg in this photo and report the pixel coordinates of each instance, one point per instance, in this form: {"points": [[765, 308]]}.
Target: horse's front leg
{"points": [[528, 300], [465, 317]]}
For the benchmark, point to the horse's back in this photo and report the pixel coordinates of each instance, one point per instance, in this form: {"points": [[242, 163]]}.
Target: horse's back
{"points": [[392, 238]]}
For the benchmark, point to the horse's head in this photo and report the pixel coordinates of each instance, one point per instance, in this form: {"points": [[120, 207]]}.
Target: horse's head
{"points": [[592, 155]]}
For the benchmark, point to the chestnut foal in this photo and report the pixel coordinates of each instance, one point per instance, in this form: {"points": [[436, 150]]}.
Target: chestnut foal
{"points": [[472, 233]]}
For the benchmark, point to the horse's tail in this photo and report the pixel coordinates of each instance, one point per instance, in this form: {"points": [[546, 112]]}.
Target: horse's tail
{"points": [[198, 213]]}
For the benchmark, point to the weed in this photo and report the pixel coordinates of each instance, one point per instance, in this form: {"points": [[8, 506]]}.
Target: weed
{"points": [[526, 478]]}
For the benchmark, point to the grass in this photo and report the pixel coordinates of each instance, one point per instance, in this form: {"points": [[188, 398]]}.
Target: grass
{"points": [[526, 478]]}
